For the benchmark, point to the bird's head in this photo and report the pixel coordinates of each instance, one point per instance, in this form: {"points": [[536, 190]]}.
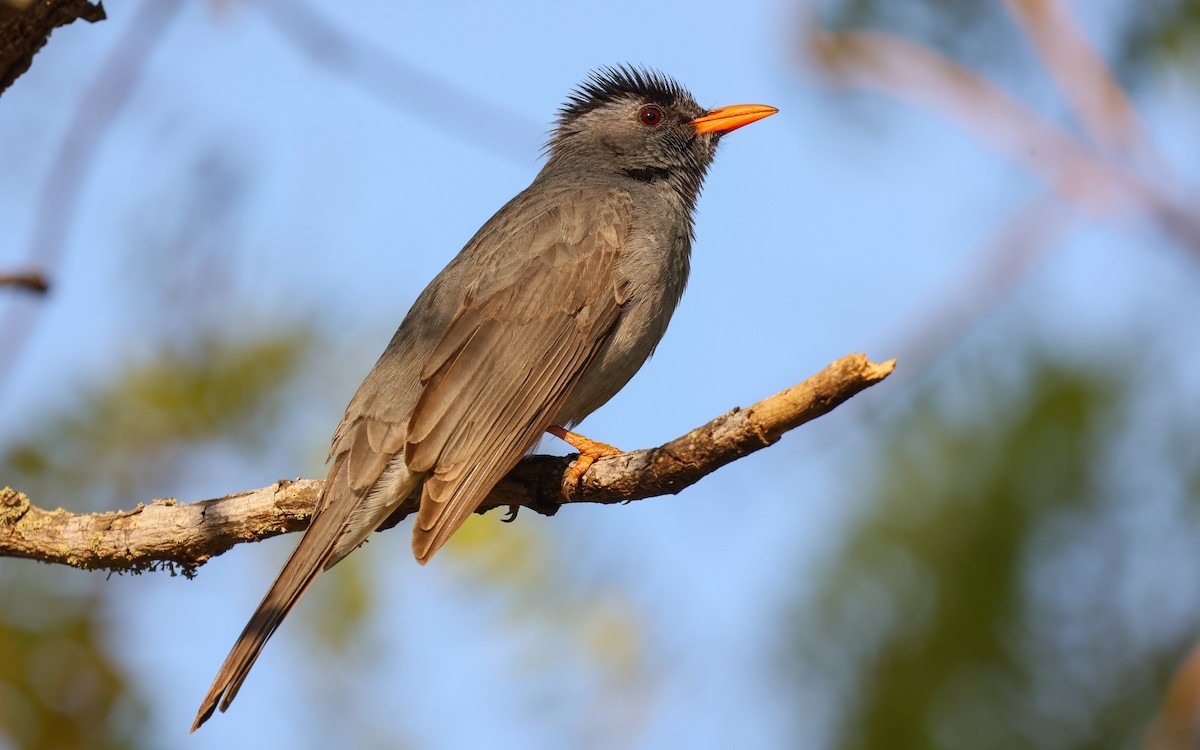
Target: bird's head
{"points": [[643, 125]]}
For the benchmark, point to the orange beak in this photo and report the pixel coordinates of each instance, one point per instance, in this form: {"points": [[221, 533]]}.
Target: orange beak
{"points": [[725, 119]]}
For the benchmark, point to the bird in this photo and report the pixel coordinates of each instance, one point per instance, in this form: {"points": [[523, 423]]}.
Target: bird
{"points": [[543, 316]]}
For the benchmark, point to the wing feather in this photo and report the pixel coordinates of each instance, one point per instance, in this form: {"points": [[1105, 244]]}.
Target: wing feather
{"points": [[511, 357]]}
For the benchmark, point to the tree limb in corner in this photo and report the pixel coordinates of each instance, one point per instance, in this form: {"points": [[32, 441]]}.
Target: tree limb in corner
{"points": [[25, 28], [169, 533]]}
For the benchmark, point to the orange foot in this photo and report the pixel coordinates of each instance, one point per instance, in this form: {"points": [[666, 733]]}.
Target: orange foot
{"points": [[589, 451]]}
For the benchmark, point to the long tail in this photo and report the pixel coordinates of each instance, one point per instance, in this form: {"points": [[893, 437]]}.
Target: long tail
{"points": [[297, 575], [367, 482]]}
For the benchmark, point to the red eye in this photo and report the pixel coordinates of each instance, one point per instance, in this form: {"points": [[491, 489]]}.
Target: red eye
{"points": [[650, 115]]}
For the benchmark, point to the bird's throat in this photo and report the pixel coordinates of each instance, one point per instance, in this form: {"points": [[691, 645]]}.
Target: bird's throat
{"points": [[647, 174]]}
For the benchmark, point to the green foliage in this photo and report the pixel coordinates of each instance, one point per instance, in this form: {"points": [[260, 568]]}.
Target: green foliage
{"points": [[1162, 33], [59, 688], [546, 598], [975, 605], [982, 35], [138, 426], [977, 34], [61, 685]]}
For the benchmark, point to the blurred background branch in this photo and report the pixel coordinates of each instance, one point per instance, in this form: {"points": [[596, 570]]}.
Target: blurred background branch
{"points": [[30, 281], [415, 89], [64, 181]]}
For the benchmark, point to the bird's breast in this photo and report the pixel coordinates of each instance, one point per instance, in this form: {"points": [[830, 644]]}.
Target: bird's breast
{"points": [[653, 271]]}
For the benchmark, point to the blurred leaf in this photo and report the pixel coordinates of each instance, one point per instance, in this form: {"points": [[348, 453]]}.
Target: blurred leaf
{"points": [[982, 35], [61, 685], [59, 688], [545, 596], [1161, 33], [152, 416], [976, 34], [974, 605]]}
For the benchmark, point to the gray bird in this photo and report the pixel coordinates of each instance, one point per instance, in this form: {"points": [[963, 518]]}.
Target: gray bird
{"points": [[546, 313]]}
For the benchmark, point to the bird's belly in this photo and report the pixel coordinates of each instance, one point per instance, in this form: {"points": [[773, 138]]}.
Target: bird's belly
{"points": [[637, 333]]}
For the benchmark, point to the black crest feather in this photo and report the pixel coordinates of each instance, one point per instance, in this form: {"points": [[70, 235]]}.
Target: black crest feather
{"points": [[609, 84]]}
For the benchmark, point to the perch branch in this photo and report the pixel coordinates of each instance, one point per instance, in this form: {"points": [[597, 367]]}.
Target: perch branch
{"points": [[170, 533]]}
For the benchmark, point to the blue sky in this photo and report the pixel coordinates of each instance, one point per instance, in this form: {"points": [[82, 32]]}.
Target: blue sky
{"points": [[821, 232]]}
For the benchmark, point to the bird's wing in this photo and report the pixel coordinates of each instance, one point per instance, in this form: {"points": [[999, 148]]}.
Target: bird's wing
{"points": [[512, 355]]}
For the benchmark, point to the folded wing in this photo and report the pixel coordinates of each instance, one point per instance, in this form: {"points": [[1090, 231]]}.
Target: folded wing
{"points": [[512, 355]]}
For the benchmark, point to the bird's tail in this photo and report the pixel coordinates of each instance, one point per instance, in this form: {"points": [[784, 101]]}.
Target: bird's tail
{"points": [[297, 575], [342, 519]]}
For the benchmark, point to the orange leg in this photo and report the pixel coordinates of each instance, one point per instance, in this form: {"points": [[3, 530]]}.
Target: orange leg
{"points": [[589, 451]]}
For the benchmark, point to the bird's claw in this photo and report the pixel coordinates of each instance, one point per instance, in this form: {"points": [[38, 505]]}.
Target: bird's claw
{"points": [[589, 451], [512, 513]]}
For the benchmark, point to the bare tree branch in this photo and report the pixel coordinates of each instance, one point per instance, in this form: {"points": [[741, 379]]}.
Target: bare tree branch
{"points": [[169, 533], [25, 27]]}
